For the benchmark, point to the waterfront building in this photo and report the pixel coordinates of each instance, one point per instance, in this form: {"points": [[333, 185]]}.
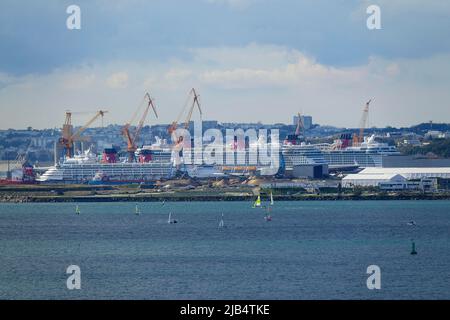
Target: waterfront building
{"points": [[385, 176]]}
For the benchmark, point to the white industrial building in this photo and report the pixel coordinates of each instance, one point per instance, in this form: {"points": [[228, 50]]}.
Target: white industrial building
{"points": [[412, 173], [370, 180], [376, 176]]}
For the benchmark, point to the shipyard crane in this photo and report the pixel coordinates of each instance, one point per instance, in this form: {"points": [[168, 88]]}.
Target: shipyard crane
{"points": [[132, 138], [195, 102], [68, 137], [22, 156], [300, 127], [296, 137], [358, 139]]}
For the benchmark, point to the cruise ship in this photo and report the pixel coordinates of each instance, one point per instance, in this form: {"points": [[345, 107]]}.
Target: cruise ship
{"points": [[369, 153], [302, 160], [88, 168], [303, 154]]}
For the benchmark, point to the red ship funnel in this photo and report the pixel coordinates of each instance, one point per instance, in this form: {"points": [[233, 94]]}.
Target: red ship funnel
{"points": [[109, 155]]}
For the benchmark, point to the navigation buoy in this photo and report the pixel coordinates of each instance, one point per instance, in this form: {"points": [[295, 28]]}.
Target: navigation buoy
{"points": [[413, 249]]}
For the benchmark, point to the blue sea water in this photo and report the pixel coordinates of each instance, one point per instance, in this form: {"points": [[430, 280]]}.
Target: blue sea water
{"points": [[311, 250]]}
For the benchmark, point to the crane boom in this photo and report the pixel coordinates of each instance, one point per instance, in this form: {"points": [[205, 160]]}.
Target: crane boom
{"points": [[299, 125], [77, 134], [144, 116], [363, 121], [195, 102], [131, 139], [68, 138]]}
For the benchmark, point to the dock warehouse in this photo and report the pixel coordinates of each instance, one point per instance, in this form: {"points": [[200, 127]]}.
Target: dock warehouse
{"points": [[375, 176]]}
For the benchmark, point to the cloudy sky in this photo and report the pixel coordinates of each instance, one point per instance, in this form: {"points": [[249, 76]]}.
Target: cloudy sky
{"points": [[251, 60]]}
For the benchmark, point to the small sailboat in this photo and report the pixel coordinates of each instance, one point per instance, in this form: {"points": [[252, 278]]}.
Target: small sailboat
{"points": [[137, 210], [268, 216], [170, 220], [413, 248], [77, 210], [221, 223], [271, 198], [257, 203]]}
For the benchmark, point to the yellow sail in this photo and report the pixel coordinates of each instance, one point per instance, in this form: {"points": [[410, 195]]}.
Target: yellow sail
{"points": [[258, 202]]}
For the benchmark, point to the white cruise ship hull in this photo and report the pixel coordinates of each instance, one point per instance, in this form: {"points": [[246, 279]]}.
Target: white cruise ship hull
{"points": [[119, 172]]}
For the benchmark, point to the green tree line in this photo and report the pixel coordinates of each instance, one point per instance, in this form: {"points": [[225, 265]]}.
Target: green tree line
{"points": [[439, 147]]}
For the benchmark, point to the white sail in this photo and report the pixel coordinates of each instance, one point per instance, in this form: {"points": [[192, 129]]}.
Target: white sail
{"points": [[268, 216]]}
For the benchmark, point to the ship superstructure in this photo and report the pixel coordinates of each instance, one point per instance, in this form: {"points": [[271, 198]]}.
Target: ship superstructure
{"points": [[87, 166], [368, 153]]}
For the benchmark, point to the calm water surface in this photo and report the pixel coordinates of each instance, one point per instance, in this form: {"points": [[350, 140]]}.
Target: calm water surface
{"points": [[311, 250]]}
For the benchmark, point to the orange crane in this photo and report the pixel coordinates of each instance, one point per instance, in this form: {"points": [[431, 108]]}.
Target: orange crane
{"points": [[358, 139], [132, 138], [195, 102], [68, 137]]}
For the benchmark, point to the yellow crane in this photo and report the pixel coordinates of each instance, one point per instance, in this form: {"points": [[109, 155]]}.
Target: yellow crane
{"points": [[195, 102], [68, 137], [132, 138]]}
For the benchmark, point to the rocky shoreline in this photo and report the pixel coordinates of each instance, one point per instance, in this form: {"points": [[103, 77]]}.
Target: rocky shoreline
{"points": [[188, 198], [181, 190]]}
